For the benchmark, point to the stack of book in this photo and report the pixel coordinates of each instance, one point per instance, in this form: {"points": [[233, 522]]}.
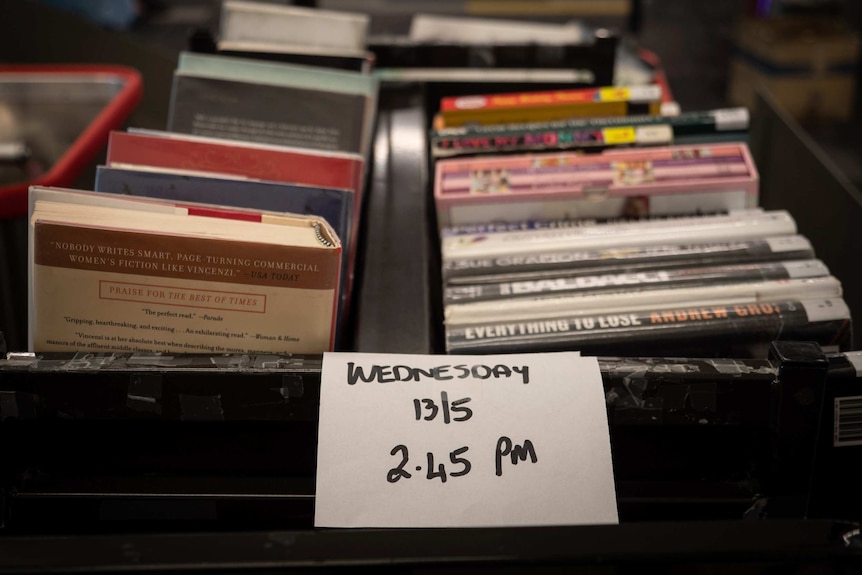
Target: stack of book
{"points": [[591, 226], [253, 136]]}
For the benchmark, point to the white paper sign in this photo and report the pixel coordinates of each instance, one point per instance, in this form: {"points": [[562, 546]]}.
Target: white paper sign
{"points": [[463, 441]]}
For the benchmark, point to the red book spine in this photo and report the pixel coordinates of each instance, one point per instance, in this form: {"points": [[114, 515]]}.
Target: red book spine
{"points": [[235, 159]]}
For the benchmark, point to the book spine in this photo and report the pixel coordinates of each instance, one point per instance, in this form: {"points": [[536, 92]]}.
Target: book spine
{"points": [[549, 174], [675, 329], [730, 119], [735, 226], [571, 161], [593, 139], [592, 133], [495, 227], [235, 158], [636, 281], [523, 308], [624, 259], [635, 94]]}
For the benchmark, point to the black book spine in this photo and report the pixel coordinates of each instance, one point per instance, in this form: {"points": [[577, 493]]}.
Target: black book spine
{"points": [[623, 260], [708, 330], [635, 281]]}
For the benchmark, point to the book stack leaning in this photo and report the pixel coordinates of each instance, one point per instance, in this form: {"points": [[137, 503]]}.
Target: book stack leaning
{"points": [[234, 229], [629, 234]]}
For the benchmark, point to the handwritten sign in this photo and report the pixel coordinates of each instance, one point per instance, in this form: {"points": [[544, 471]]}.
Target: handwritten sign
{"points": [[463, 441]]}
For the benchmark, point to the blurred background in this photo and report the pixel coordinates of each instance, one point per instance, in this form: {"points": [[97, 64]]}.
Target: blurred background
{"points": [[804, 51]]}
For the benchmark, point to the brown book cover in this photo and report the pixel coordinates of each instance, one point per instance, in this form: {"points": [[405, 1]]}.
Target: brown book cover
{"points": [[110, 273]]}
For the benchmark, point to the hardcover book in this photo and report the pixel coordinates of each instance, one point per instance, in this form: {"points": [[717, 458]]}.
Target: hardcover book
{"points": [[238, 158], [660, 181], [113, 273]]}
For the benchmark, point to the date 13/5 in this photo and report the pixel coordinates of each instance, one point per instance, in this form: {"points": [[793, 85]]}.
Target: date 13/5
{"points": [[449, 410]]}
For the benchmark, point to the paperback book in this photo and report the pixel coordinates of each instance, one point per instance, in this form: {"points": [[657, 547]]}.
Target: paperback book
{"points": [[536, 307], [742, 225], [116, 273], [334, 205], [623, 259], [549, 105], [702, 329], [638, 281]]}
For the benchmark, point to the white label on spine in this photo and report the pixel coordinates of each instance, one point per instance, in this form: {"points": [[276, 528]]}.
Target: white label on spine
{"points": [[662, 134], [855, 357], [470, 102], [806, 269], [640, 94], [670, 109], [788, 244], [731, 119], [828, 309]]}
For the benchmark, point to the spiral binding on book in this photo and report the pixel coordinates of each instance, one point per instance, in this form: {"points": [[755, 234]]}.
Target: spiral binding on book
{"points": [[320, 237]]}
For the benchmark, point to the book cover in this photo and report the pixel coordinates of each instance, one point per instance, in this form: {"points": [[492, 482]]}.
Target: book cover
{"points": [[283, 116], [702, 330], [273, 102], [543, 265], [670, 180], [549, 105], [112, 273], [248, 159]]}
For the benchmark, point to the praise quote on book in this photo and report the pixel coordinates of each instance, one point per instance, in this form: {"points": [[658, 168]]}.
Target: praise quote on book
{"points": [[463, 441]]}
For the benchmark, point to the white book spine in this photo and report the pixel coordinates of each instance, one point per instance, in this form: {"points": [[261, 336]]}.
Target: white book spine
{"points": [[735, 226], [550, 307], [288, 25]]}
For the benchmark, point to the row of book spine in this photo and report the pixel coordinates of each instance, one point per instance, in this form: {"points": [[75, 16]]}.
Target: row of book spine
{"points": [[568, 228]]}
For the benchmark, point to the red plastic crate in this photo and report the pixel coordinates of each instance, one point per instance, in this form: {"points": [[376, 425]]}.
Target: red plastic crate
{"points": [[122, 89]]}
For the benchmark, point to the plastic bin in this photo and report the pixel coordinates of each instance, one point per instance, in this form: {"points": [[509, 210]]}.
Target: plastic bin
{"points": [[63, 115], [54, 123]]}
